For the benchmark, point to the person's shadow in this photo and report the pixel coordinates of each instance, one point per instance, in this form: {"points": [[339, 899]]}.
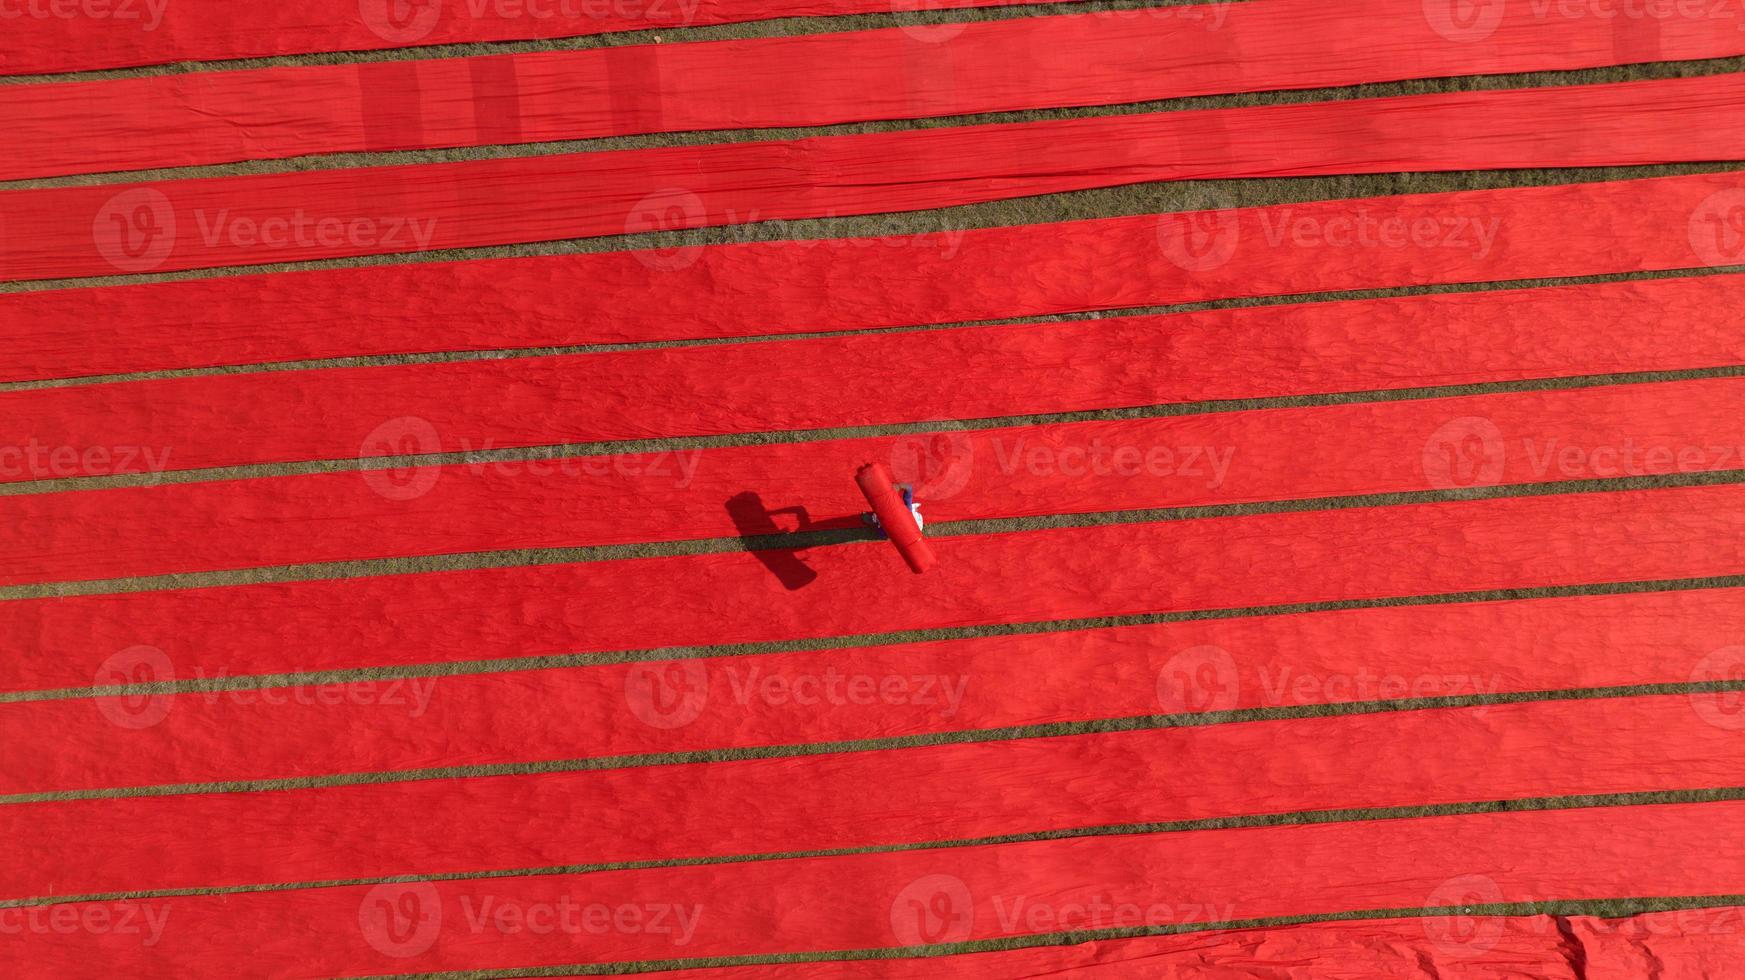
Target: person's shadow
{"points": [[778, 547]]}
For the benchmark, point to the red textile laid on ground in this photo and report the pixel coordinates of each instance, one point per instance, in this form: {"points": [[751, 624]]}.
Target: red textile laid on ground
{"points": [[1401, 636], [1686, 944], [69, 232], [905, 899], [42, 38], [809, 80], [846, 284], [848, 590], [649, 708], [815, 803], [977, 474], [960, 373]]}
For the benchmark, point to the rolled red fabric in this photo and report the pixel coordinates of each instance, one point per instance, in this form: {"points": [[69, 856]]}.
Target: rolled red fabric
{"points": [[877, 483]]}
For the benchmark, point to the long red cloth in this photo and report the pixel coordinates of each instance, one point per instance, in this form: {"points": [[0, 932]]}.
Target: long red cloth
{"points": [[906, 899], [1023, 471], [44, 37], [72, 232], [846, 284], [1683, 944], [749, 701], [861, 588], [811, 80], [813, 803], [960, 373]]}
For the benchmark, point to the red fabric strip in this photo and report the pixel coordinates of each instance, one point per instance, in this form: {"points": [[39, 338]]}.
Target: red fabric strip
{"points": [[1686, 944], [1028, 63], [269, 218], [1214, 458], [905, 899], [877, 692], [651, 813], [863, 588], [45, 37], [986, 372], [846, 284]]}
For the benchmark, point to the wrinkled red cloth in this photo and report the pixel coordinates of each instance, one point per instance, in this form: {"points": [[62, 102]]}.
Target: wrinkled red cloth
{"points": [[812, 80], [806, 286], [734, 597], [165, 226], [911, 898]]}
